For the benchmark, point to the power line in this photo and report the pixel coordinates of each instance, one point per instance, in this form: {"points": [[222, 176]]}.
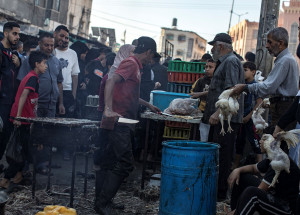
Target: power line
{"points": [[131, 26], [127, 18], [141, 21]]}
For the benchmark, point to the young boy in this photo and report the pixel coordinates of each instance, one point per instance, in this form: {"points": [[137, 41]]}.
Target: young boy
{"points": [[247, 130], [200, 90], [25, 106]]}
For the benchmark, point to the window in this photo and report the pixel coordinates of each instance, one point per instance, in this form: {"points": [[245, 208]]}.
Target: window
{"points": [[40, 3], [293, 38], [71, 20], [255, 33], [56, 5], [181, 38], [170, 36], [179, 52], [242, 33]]}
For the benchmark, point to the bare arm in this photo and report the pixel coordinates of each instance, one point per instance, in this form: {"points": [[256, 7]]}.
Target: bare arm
{"points": [[61, 99], [108, 95], [234, 177], [22, 101], [248, 117], [74, 85], [150, 106], [196, 95]]}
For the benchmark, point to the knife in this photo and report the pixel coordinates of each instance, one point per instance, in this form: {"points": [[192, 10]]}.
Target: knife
{"points": [[128, 121]]}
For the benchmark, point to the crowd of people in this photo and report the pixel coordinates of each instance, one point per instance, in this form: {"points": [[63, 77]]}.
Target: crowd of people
{"points": [[54, 80]]}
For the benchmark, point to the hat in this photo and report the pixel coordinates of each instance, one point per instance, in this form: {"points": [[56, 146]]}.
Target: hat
{"points": [[221, 37], [144, 44]]}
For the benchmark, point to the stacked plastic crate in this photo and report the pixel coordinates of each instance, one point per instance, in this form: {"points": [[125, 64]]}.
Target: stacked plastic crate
{"points": [[181, 76]]}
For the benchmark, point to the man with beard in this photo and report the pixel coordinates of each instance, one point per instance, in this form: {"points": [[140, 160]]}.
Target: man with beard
{"points": [[228, 73], [70, 71], [282, 82], [9, 66]]}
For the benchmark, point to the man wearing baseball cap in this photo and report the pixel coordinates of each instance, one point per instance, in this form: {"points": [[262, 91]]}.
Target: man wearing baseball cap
{"points": [[228, 73], [122, 98]]}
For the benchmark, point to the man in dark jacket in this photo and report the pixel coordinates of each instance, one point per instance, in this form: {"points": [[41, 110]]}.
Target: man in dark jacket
{"points": [[160, 75], [9, 65]]}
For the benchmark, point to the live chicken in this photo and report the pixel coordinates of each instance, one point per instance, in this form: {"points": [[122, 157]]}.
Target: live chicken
{"points": [[228, 106], [258, 120], [279, 159]]}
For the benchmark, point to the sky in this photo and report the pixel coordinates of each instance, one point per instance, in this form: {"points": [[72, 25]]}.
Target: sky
{"points": [[146, 17]]}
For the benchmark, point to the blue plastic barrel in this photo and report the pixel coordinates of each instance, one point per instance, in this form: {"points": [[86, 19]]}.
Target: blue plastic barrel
{"points": [[189, 176]]}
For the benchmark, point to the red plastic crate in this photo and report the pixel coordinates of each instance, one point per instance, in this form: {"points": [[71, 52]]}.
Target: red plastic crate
{"points": [[183, 77]]}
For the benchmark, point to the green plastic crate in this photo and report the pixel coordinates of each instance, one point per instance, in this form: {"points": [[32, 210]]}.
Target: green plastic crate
{"points": [[183, 66]]}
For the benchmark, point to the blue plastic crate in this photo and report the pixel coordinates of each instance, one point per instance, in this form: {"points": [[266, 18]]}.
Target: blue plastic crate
{"points": [[163, 99]]}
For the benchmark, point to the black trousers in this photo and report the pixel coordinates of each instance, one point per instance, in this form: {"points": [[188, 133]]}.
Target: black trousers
{"points": [[247, 198], [69, 103], [117, 151], [225, 153], [13, 166], [7, 127]]}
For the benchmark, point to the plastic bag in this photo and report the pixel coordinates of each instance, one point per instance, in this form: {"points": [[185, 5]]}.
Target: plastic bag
{"points": [[14, 146], [182, 107]]}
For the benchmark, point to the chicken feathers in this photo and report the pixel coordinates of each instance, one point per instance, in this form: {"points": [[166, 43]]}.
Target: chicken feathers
{"points": [[279, 159], [228, 106]]}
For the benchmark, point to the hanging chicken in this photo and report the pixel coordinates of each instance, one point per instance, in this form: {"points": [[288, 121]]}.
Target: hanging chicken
{"points": [[258, 120], [279, 159], [228, 106]]}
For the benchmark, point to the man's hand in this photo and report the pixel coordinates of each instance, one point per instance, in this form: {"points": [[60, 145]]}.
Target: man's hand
{"points": [[234, 177], [61, 109], [110, 114], [214, 119], [17, 123], [16, 60], [82, 86], [157, 85], [277, 129], [237, 89], [154, 109], [246, 119]]}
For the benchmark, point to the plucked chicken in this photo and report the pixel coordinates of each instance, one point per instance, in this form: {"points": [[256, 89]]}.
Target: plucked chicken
{"points": [[228, 106], [279, 159]]}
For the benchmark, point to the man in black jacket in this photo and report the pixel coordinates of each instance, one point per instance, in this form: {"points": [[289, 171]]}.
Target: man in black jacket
{"points": [[9, 66], [160, 75]]}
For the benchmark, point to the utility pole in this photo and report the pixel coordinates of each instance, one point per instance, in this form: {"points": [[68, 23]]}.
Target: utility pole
{"points": [[269, 13], [230, 16], [239, 15]]}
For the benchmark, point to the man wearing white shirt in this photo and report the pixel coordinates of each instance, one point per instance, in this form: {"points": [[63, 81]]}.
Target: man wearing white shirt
{"points": [[70, 71]]}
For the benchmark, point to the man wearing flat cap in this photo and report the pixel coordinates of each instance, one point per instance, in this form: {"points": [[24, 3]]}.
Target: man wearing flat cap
{"points": [[228, 73]]}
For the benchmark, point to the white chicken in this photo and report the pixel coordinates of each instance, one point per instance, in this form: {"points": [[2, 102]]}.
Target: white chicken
{"points": [[258, 120], [258, 76], [228, 106], [279, 159]]}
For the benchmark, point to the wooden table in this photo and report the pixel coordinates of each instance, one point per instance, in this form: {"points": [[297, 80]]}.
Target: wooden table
{"points": [[158, 117], [58, 123]]}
